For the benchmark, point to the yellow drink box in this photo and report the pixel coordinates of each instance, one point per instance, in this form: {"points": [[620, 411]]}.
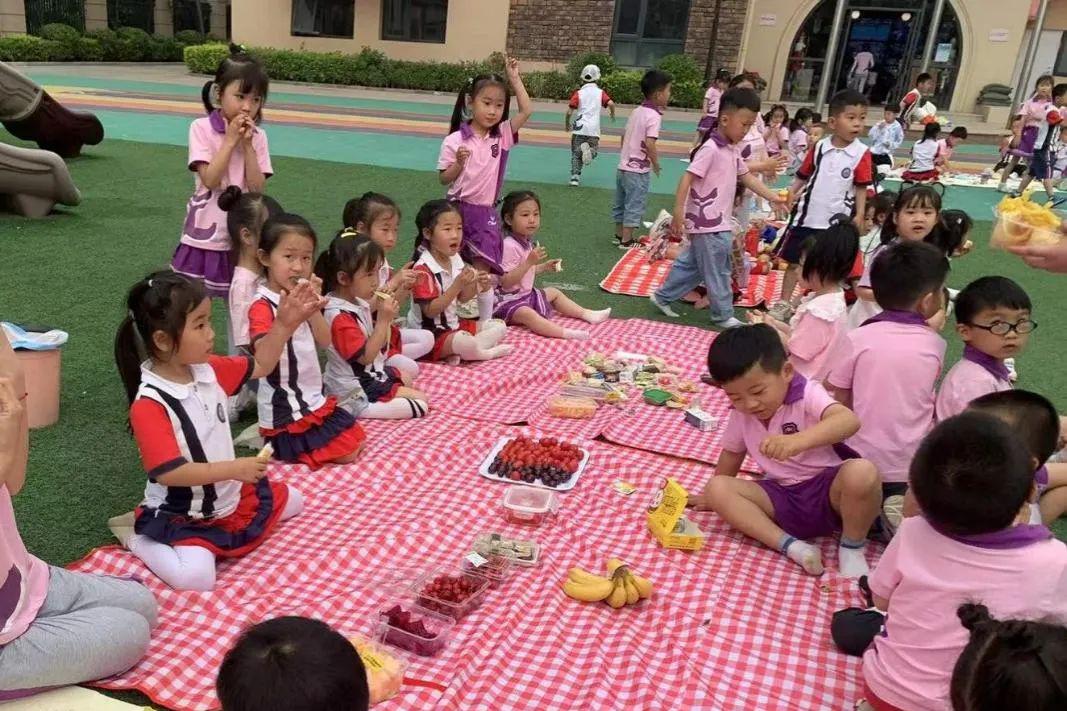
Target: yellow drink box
{"points": [[667, 521]]}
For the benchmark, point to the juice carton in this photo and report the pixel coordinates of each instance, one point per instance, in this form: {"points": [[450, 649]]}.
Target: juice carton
{"points": [[667, 521]]}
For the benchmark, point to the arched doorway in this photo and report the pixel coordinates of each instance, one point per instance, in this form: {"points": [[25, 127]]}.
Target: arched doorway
{"points": [[893, 31]]}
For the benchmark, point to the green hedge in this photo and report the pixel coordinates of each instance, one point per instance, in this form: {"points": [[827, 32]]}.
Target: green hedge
{"points": [[373, 68], [57, 42]]}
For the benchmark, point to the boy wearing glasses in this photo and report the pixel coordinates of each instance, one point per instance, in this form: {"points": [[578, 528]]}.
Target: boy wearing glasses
{"points": [[993, 319]]}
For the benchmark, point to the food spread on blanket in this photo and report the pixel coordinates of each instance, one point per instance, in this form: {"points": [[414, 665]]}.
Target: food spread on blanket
{"points": [[415, 629], [606, 380], [452, 593], [523, 552], [621, 586], [1023, 221], [667, 521], [529, 460], [385, 673]]}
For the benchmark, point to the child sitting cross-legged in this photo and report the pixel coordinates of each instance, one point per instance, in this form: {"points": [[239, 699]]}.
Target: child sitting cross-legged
{"points": [[789, 425]]}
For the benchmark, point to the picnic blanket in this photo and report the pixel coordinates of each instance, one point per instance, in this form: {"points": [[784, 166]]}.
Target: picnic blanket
{"points": [[734, 626], [634, 275]]}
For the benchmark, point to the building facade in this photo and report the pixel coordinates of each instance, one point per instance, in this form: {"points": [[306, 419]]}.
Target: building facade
{"points": [[153, 16]]}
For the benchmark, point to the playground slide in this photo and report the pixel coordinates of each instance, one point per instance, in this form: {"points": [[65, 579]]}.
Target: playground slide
{"points": [[28, 112], [33, 181]]}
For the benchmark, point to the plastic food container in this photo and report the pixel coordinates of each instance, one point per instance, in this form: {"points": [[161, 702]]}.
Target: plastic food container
{"points": [[385, 671], [429, 595], [496, 568], [412, 628], [522, 552], [529, 505], [1010, 231], [578, 408]]}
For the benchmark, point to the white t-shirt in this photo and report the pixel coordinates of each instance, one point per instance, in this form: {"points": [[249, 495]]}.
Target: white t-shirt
{"points": [[588, 103], [923, 155]]}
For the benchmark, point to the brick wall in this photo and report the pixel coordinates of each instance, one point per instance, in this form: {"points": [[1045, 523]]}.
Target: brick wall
{"points": [[556, 30], [728, 38]]}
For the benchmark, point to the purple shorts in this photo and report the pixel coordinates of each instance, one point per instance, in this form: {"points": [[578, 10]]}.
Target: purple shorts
{"points": [[213, 266], [707, 123], [482, 237], [535, 300], [1026, 143], [803, 510]]}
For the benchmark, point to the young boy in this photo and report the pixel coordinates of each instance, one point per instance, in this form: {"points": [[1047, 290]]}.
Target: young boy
{"points": [[972, 478], [292, 663], [639, 156], [703, 205], [947, 146], [993, 320], [889, 367], [832, 179], [585, 132], [886, 136], [790, 426], [924, 85], [1043, 164]]}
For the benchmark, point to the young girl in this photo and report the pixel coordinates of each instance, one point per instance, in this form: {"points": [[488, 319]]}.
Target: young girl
{"points": [[474, 156], [1032, 113], [356, 360], [299, 422], [820, 323], [443, 279], [710, 118], [378, 217], [517, 300], [225, 148], [878, 210], [245, 215], [1008, 143], [200, 501], [776, 134], [924, 158], [1009, 664], [799, 137]]}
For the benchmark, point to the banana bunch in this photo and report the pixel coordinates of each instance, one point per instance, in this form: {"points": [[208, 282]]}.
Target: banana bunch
{"points": [[620, 587]]}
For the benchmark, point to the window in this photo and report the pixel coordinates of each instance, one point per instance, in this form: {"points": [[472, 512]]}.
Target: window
{"points": [[324, 18], [414, 20], [1061, 57], [646, 30]]}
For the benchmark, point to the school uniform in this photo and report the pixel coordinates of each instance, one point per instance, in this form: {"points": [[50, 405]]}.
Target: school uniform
{"points": [[885, 138], [798, 148], [588, 102], [633, 177], [976, 374], [833, 176], [477, 188], [923, 166], [175, 424], [1042, 165], [434, 280], [524, 294], [1035, 112], [799, 488], [818, 329], [299, 421], [351, 325], [710, 120]]}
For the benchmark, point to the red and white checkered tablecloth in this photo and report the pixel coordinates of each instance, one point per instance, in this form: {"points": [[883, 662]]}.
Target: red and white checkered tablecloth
{"points": [[728, 627]]}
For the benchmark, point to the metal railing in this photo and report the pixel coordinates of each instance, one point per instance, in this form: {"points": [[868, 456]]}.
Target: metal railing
{"points": [[43, 12]]}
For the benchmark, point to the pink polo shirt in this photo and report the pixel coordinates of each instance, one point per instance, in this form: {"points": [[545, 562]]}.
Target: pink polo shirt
{"points": [[926, 576], [805, 402], [643, 123], [243, 288], [205, 222], [819, 330], [482, 176], [891, 369], [516, 249], [975, 375], [715, 169], [753, 146], [23, 577], [711, 99]]}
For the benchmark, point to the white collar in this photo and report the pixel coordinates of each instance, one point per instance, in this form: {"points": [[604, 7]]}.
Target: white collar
{"points": [[203, 374], [265, 291], [854, 149], [828, 307], [427, 259]]}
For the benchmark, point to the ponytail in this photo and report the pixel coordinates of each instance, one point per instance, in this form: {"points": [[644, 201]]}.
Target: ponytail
{"points": [[348, 253], [470, 90], [239, 66], [931, 131]]}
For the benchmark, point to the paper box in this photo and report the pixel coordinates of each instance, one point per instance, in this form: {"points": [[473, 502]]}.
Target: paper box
{"points": [[667, 521]]}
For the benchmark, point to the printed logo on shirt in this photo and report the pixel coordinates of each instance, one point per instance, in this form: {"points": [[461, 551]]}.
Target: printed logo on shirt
{"points": [[496, 150], [845, 172], [220, 412], [790, 428]]}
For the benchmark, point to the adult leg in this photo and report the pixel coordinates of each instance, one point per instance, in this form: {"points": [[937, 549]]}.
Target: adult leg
{"points": [[181, 567], [856, 495]]}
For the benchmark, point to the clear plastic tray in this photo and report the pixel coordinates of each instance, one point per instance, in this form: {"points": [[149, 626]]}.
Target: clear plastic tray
{"points": [[438, 627], [457, 610], [385, 669], [522, 551], [565, 486], [1010, 231], [529, 506], [496, 568]]}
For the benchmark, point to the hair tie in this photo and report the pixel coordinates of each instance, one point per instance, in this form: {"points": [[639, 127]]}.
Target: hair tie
{"points": [[349, 232], [470, 81], [150, 285]]}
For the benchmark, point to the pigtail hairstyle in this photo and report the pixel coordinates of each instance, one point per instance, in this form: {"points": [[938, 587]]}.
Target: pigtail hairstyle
{"points": [[238, 66], [159, 302], [426, 219], [245, 211], [951, 231], [348, 254], [797, 122], [367, 208], [470, 90]]}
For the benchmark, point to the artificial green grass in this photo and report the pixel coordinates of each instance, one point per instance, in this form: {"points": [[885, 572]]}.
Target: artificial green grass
{"points": [[71, 270]]}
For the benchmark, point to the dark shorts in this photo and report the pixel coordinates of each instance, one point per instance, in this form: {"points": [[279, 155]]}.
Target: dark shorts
{"points": [[792, 242], [1041, 165], [803, 510]]}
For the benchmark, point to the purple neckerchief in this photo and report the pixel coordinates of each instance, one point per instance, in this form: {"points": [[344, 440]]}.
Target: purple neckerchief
{"points": [[796, 389], [995, 366], [1012, 537], [465, 130], [650, 105], [218, 123], [909, 317]]}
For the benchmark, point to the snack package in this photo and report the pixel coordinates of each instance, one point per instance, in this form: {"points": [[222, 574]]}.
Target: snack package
{"points": [[578, 408], [385, 673]]}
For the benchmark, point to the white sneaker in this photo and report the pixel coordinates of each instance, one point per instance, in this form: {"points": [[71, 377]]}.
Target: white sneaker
{"points": [[664, 308], [587, 153], [574, 181], [731, 322]]}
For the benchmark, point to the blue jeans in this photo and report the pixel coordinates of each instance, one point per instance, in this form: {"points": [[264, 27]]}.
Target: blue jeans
{"points": [[707, 260], [631, 196]]}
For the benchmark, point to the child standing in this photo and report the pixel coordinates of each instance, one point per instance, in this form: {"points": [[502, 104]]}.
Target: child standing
{"points": [[200, 501], [820, 323], [993, 320], [832, 179], [1042, 165], [585, 131], [776, 131], [886, 136], [799, 138], [226, 148], [879, 210], [518, 301], [710, 118], [358, 373], [639, 156], [924, 86], [890, 365], [378, 217], [972, 479], [443, 279], [474, 157], [790, 426], [703, 204], [1034, 113], [924, 156], [299, 422]]}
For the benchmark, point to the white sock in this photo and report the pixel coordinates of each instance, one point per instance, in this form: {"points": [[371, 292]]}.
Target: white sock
{"points": [[399, 408], [575, 334], [596, 316], [417, 342], [485, 305], [181, 567], [404, 364], [466, 347], [805, 555], [491, 334], [852, 562]]}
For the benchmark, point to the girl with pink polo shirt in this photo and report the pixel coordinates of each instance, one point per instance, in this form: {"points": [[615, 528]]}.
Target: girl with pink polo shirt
{"points": [[1033, 113], [799, 137], [973, 479], [820, 324], [474, 157], [710, 119], [226, 148], [776, 131], [517, 300]]}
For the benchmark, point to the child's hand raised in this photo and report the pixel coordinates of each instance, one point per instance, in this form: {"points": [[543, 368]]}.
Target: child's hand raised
{"points": [[234, 128], [467, 278], [249, 469], [782, 447], [408, 276], [462, 154], [536, 255], [298, 305], [388, 307], [512, 68]]}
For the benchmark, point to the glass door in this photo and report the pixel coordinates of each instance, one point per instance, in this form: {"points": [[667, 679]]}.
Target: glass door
{"points": [[648, 30]]}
